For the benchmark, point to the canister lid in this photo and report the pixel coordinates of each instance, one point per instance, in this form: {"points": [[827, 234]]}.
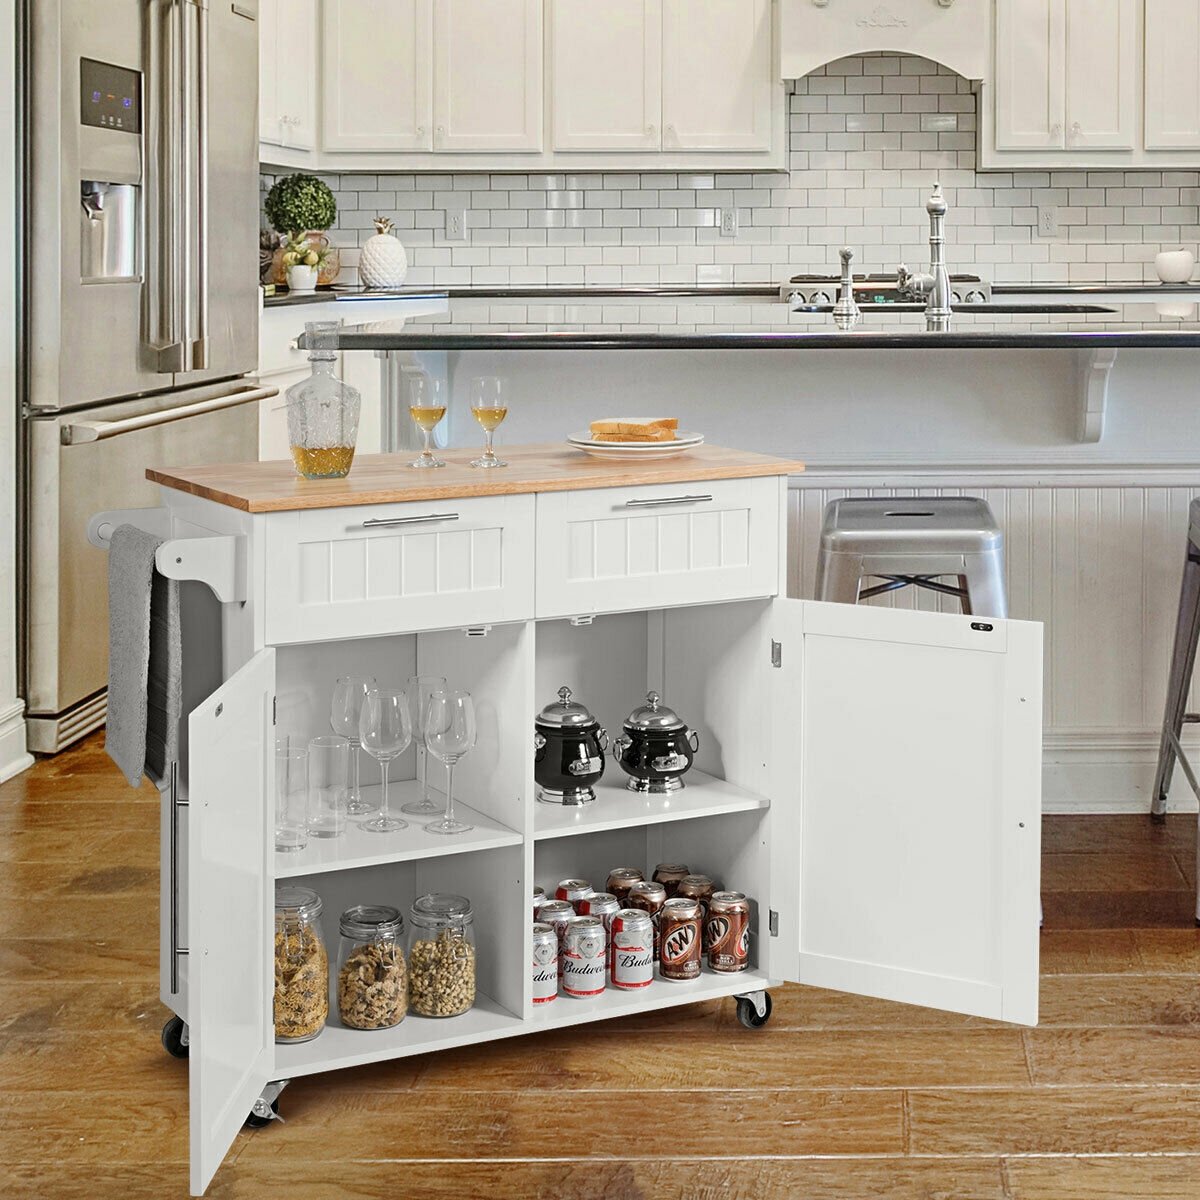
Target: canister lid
{"points": [[369, 922], [296, 903], [653, 715], [565, 712], [437, 910]]}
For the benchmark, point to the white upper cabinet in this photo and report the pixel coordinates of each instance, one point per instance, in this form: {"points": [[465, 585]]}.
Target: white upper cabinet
{"points": [[1030, 52], [377, 87], [287, 71], [487, 75], [1172, 75], [716, 75], [607, 69], [1100, 75]]}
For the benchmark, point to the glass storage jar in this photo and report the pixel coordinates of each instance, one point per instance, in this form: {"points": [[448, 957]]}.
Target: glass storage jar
{"points": [[322, 411], [441, 955], [301, 965], [372, 982]]}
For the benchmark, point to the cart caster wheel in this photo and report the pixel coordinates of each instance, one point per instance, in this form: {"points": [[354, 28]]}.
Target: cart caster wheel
{"points": [[748, 1014], [255, 1121], [175, 1038]]}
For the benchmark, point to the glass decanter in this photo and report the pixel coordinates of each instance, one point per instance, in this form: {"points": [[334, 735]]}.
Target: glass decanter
{"points": [[322, 411]]}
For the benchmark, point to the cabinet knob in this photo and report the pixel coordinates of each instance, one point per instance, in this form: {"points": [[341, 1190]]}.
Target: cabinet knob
{"points": [[1055, 130], [1076, 129], [651, 130]]}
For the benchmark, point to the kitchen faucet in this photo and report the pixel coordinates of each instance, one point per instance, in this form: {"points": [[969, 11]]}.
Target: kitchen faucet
{"points": [[934, 287]]}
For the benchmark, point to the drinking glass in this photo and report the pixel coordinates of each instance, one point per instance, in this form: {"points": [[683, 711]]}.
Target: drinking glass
{"points": [[344, 708], [420, 688], [291, 795], [489, 406], [426, 406], [328, 776], [449, 734], [386, 732]]}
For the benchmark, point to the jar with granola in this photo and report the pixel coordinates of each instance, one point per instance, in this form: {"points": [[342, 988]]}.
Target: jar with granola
{"points": [[372, 986], [441, 956], [301, 965]]}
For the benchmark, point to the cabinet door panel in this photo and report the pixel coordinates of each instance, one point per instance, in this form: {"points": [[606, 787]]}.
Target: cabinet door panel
{"points": [[270, 127], [487, 81], [295, 73], [717, 75], [230, 914], [607, 63], [377, 93], [1101, 85], [906, 856], [1029, 86], [1172, 75]]}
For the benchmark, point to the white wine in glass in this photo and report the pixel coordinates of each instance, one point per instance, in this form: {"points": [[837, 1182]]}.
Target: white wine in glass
{"points": [[489, 406], [426, 406]]}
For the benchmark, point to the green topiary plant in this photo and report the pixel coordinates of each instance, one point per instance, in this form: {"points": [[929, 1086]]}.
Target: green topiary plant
{"points": [[297, 204]]}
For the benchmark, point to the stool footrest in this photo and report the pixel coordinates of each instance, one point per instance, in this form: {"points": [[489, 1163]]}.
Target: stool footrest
{"points": [[922, 581]]}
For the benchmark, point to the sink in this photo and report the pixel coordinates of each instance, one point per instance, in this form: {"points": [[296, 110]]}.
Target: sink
{"points": [[989, 307]]}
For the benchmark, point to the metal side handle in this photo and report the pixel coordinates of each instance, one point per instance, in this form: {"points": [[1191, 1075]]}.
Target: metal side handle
{"points": [[667, 501], [79, 433], [200, 345], [385, 522], [176, 948]]}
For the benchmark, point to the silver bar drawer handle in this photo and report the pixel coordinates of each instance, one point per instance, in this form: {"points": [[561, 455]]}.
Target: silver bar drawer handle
{"points": [[383, 522], [667, 500]]}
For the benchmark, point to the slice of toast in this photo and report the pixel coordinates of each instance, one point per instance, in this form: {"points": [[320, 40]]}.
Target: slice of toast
{"points": [[649, 436], [636, 429]]}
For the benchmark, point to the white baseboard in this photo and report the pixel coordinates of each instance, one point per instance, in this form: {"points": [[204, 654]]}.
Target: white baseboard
{"points": [[14, 757], [1108, 772]]}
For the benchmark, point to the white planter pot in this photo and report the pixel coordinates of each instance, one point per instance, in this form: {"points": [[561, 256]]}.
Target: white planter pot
{"points": [[302, 279], [1174, 266]]}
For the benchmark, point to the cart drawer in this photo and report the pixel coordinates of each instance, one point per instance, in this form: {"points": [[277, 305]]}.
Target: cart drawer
{"points": [[614, 549], [355, 572]]}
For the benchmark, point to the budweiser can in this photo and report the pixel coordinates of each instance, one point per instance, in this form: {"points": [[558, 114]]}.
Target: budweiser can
{"points": [[621, 879], [700, 888], [539, 898], [603, 905], [633, 949], [573, 890], [669, 875], [728, 929], [545, 963], [585, 962], [680, 928], [649, 897], [556, 913]]}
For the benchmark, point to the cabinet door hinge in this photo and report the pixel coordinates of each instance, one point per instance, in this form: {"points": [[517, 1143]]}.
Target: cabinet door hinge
{"points": [[776, 654], [773, 922]]}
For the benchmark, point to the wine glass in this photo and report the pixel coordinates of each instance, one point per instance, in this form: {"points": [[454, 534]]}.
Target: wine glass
{"points": [[426, 406], [420, 688], [489, 406], [449, 734], [344, 710], [386, 731]]}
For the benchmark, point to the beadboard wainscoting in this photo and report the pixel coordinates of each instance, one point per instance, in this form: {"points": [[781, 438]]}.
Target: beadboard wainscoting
{"points": [[1097, 557]]}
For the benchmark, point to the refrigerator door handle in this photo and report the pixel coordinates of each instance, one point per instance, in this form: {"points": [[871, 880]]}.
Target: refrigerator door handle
{"points": [[200, 347], [80, 433]]}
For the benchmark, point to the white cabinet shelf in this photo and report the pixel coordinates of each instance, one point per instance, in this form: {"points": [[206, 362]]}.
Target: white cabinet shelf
{"points": [[617, 808], [360, 848]]}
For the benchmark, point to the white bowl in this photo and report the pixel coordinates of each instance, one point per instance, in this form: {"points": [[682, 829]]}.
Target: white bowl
{"points": [[1175, 266]]}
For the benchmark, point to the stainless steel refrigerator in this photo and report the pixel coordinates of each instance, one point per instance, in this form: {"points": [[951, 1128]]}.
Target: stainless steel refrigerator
{"points": [[139, 300]]}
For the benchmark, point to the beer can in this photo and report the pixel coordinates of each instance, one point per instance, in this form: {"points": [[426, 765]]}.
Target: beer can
{"points": [[680, 929], [633, 949], [573, 890], [728, 929], [539, 898], [545, 963], [669, 875], [621, 879], [701, 888], [557, 913], [650, 897], [584, 963], [603, 905]]}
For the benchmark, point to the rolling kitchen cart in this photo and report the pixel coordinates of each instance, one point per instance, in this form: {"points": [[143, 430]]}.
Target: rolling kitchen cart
{"points": [[869, 777]]}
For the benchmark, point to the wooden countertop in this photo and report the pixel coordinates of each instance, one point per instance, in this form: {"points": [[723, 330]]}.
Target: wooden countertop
{"points": [[387, 479]]}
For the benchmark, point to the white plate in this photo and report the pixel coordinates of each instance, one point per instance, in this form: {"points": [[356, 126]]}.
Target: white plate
{"points": [[627, 450]]}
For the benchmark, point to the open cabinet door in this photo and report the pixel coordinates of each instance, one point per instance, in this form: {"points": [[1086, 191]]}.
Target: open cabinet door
{"points": [[907, 806], [230, 912]]}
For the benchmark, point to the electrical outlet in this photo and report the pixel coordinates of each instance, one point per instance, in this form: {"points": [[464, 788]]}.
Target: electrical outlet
{"points": [[456, 224], [729, 222], [1047, 217]]}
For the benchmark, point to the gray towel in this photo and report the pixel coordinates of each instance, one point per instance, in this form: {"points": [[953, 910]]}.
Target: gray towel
{"points": [[145, 694]]}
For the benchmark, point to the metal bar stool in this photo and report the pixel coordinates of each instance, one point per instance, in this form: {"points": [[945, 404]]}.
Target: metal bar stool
{"points": [[917, 542]]}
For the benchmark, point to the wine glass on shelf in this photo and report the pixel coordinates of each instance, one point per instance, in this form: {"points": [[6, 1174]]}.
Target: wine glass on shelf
{"points": [[427, 406], [420, 688], [345, 707], [489, 406], [385, 729], [450, 734]]}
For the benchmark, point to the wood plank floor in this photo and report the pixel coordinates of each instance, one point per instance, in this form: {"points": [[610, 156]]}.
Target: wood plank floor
{"points": [[839, 1098]]}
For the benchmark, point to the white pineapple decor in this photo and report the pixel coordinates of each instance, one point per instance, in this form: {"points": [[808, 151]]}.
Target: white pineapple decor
{"points": [[383, 263]]}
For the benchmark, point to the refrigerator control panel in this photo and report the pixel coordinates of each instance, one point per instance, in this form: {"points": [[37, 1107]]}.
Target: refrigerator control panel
{"points": [[110, 97]]}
